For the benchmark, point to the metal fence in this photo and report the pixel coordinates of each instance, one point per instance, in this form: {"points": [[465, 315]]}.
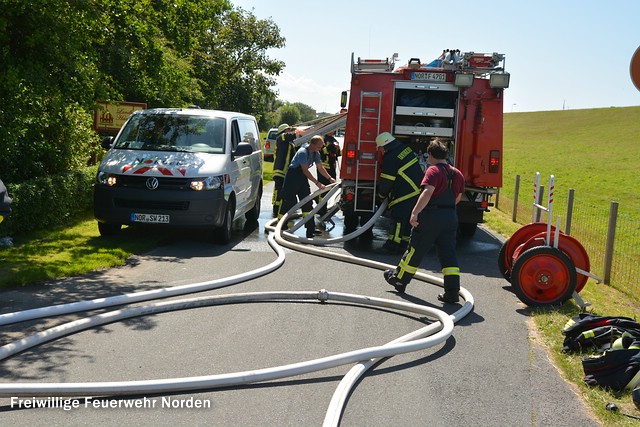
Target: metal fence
{"points": [[610, 236]]}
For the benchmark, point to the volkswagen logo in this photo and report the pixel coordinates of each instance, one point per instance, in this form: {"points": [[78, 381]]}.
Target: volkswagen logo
{"points": [[152, 183]]}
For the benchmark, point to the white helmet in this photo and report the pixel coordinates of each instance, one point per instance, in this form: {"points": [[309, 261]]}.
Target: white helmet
{"points": [[383, 139]]}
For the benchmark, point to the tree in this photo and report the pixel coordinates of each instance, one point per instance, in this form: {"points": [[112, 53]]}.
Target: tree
{"points": [[58, 57], [289, 114], [307, 113], [236, 71]]}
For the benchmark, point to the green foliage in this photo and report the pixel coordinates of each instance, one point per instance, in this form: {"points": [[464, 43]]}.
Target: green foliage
{"points": [[289, 114], [307, 113], [46, 202], [58, 57]]}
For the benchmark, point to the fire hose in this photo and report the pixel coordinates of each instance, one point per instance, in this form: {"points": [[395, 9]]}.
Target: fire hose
{"points": [[423, 338]]}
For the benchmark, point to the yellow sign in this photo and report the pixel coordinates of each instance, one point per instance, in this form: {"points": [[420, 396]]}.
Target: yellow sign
{"points": [[109, 116]]}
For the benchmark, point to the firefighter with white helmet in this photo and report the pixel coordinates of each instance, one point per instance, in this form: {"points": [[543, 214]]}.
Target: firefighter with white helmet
{"points": [[400, 182], [282, 156]]}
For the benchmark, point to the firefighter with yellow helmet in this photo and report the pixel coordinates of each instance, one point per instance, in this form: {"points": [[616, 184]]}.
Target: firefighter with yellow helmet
{"points": [[399, 182], [285, 149]]}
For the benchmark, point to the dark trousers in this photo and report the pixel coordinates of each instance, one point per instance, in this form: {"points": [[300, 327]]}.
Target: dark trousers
{"points": [[295, 188], [278, 181], [436, 227], [401, 231], [324, 181]]}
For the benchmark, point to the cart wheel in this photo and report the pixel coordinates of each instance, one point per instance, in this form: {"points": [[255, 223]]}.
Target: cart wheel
{"points": [[569, 246], [518, 238], [543, 275], [503, 265]]}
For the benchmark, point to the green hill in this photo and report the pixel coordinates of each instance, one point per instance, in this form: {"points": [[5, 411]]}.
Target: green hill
{"points": [[596, 152]]}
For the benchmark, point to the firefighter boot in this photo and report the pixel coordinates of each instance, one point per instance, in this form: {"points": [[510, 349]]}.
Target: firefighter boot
{"points": [[451, 289], [311, 229], [392, 279]]}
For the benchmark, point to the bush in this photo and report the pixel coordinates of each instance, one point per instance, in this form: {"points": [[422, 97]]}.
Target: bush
{"points": [[45, 202]]}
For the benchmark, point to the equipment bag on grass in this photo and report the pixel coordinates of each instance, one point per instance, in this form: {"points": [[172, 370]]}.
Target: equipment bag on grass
{"points": [[590, 332], [616, 369]]}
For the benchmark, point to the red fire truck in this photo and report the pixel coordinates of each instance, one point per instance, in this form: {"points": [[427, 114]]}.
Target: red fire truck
{"points": [[458, 96]]}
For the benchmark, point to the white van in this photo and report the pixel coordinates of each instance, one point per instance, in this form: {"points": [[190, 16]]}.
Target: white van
{"points": [[181, 167], [270, 144]]}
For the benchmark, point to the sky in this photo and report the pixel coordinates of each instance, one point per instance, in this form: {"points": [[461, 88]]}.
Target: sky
{"points": [[562, 54]]}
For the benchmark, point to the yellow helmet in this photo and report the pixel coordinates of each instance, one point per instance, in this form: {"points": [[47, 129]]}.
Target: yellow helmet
{"points": [[383, 139]]}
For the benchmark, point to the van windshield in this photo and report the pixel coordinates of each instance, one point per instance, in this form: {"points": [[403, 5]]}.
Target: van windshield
{"points": [[171, 132]]}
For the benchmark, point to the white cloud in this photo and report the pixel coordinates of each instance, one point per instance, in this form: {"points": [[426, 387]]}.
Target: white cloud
{"points": [[323, 98]]}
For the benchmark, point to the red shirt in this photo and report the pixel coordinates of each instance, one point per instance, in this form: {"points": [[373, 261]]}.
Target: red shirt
{"points": [[436, 177]]}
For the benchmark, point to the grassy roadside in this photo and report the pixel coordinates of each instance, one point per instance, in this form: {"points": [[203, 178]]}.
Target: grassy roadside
{"points": [[549, 321]]}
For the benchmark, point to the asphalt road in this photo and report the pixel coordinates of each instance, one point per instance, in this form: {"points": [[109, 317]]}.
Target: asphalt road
{"points": [[491, 372]]}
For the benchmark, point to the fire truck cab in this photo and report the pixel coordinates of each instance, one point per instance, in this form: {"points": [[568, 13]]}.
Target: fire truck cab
{"points": [[458, 97]]}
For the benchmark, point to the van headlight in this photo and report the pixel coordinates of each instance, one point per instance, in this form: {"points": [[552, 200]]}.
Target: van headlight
{"points": [[106, 179], [208, 183]]}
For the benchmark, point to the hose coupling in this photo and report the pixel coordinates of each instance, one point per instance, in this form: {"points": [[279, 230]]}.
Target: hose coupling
{"points": [[323, 295]]}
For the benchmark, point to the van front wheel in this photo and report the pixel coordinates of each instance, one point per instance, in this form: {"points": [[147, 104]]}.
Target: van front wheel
{"points": [[107, 229], [223, 234]]}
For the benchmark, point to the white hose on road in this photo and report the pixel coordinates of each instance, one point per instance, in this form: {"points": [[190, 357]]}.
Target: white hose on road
{"points": [[420, 339], [121, 388], [134, 297]]}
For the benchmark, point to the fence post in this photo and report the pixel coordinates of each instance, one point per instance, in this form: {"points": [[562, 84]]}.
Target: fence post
{"points": [[611, 235], [515, 199], [567, 228], [497, 198]]}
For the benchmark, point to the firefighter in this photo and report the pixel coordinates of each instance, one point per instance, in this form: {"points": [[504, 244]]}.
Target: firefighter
{"points": [[435, 222], [296, 183], [329, 156], [330, 152], [399, 181], [282, 156]]}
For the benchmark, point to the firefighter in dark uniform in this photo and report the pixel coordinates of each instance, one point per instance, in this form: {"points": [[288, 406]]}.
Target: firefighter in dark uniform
{"points": [[282, 156], [329, 156], [399, 181], [435, 222]]}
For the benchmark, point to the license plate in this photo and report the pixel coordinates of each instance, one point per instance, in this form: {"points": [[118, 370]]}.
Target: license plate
{"points": [[150, 218], [420, 75]]}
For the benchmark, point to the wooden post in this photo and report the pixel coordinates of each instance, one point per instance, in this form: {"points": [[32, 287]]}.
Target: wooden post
{"points": [[567, 228], [611, 236], [515, 199]]}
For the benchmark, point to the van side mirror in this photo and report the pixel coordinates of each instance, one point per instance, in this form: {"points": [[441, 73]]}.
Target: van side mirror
{"points": [[107, 142], [243, 149]]}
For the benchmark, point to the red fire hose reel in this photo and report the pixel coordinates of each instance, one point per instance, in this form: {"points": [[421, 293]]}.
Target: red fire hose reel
{"points": [[544, 266]]}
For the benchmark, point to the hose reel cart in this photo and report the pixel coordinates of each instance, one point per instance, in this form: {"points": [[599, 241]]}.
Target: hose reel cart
{"points": [[544, 265]]}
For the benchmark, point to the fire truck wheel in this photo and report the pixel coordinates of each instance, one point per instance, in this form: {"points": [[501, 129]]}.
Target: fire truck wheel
{"points": [[467, 229], [543, 275]]}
